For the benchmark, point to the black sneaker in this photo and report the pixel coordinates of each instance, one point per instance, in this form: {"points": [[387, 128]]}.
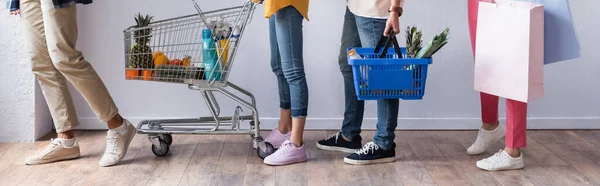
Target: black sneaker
{"points": [[336, 142], [371, 153]]}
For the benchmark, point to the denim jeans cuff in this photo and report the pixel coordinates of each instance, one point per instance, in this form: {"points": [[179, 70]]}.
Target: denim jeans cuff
{"points": [[382, 146], [285, 105], [347, 134], [299, 113]]}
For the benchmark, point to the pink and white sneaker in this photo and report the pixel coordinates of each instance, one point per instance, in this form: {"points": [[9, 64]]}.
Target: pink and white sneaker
{"points": [[276, 138], [287, 154]]}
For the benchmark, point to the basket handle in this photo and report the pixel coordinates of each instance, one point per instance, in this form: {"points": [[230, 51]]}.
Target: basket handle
{"points": [[386, 41]]}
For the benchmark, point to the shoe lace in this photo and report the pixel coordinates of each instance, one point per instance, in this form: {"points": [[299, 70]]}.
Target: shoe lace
{"points": [[336, 136], [285, 147], [369, 147], [111, 145], [496, 157], [480, 136], [53, 145]]}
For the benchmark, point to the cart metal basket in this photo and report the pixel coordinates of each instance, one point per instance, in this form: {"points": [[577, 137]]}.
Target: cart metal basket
{"points": [[178, 50]]}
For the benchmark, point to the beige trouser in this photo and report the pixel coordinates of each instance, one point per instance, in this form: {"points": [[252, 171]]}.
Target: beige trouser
{"points": [[51, 35]]}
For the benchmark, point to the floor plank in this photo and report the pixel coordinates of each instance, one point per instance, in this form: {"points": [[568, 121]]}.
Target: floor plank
{"points": [[560, 143], [202, 166], [320, 168], [464, 164], [16, 170], [568, 175], [232, 163], [575, 142], [441, 170], [350, 175], [175, 163], [592, 136], [410, 170], [257, 173]]}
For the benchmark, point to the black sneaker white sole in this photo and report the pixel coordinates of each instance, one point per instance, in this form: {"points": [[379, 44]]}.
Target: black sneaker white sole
{"points": [[333, 148], [367, 162]]}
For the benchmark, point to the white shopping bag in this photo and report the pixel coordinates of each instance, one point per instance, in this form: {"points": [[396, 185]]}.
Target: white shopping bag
{"points": [[509, 57]]}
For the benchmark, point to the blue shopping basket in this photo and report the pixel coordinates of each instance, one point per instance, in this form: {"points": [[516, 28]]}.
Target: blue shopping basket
{"points": [[388, 76]]}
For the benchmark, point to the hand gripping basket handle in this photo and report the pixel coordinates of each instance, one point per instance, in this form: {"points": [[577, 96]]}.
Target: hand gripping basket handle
{"points": [[386, 41]]}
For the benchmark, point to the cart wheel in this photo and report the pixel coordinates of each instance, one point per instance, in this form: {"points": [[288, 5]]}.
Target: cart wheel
{"points": [[263, 153], [168, 138], [162, 150]]}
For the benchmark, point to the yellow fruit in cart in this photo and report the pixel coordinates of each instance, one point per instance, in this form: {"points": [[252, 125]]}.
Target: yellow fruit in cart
{"points": [[160, 59], [157, 53], [187, 60]]}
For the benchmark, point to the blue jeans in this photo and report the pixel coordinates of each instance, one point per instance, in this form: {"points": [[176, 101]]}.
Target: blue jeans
{"points": [[364, 32], [285, 33]]}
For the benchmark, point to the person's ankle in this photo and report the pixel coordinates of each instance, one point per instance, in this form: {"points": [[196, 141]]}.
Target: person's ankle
{"points": [[284, 130], [298, 143], [115, 122], [66, 135], [345, 138], [490, 127], [515, 153]]}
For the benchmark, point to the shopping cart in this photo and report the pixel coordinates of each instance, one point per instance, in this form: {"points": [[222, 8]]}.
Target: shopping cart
{"points": [[197, 50]]}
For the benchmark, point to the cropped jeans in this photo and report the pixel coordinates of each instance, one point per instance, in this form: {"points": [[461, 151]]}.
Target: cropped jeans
{"points": [[285, 33]]}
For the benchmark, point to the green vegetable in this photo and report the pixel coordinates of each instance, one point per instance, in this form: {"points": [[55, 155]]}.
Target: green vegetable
{"points": [[413, 41], [434, 45]]}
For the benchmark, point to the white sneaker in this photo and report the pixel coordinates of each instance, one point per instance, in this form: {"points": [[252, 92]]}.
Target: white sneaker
{"points": [[485, 139], [55, 151], [501, 161], [116, 145]]}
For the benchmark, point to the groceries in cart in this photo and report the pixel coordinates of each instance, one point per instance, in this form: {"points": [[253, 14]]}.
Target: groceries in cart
{"points": [[147, 64]]}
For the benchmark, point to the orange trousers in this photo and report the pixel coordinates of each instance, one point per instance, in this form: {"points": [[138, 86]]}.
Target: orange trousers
{"points": [[516, 111]]}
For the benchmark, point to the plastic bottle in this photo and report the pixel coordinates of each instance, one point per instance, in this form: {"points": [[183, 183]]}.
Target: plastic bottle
{"points": [[209, 56]]}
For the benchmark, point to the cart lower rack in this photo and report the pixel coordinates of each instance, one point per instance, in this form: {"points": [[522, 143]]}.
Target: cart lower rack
{"points": [[197, 50]]}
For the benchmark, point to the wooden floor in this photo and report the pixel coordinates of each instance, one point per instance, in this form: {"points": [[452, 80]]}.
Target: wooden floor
{"points": [[423, 158]]}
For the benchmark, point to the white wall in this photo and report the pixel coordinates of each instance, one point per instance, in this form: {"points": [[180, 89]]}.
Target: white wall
{"points": [[16, 84], [450, 101]]}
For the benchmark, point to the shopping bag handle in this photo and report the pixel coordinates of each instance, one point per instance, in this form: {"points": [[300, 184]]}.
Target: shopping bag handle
{"points": [[386, 41]]}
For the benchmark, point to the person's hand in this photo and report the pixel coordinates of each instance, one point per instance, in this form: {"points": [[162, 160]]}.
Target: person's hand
{"points": [[16, 12], [393, 24], [258, 1]]}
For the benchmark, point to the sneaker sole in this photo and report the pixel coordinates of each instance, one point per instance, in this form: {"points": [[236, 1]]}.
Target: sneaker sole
{"points": [[367, 162], [284, 163], [503, 169], [340, 149], [126, 149], [70, 157]]}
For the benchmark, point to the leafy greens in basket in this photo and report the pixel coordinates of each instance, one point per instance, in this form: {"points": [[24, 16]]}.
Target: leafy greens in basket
{"points": [[434, 45]]}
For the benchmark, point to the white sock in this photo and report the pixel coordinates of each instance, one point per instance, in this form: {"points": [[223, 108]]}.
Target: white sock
{"points": [[121, 129], [67, 142]]}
